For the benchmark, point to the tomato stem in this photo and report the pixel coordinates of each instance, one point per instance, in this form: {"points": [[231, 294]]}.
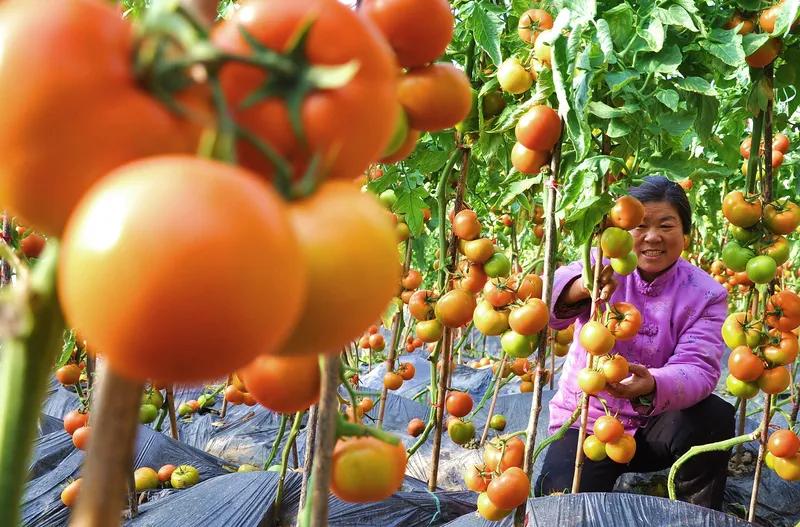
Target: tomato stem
{"points": [[298, 419], [278, 438], [28, 354]]}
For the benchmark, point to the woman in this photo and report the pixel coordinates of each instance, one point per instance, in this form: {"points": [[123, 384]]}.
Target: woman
{"points": [[667, 402]]}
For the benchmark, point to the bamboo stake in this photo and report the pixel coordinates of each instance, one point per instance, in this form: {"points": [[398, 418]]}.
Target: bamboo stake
{"points": [[173, 420], [762, 447], [325, 440], [311, 429], [497, 384]]}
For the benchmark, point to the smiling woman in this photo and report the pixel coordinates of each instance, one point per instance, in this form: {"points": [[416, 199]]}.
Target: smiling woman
{"points": [[666, 403]]}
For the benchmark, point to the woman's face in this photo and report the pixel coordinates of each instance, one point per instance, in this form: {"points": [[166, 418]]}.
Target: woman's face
{"points": [[658, 241]]}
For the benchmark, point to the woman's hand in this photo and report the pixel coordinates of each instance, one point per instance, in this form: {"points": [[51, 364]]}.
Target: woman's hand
{"points": [[578, 293], [639, 383]]}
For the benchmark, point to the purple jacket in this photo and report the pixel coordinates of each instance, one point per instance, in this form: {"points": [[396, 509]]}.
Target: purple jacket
{"points": [[680, 341]]}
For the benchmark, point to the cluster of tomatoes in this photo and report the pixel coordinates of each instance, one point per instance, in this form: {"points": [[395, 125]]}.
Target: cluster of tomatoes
{"points": [[562, 338], [609, 440], [372, 339], [76, 424], [393, 380], [500, 480], [759, 230], [517, 76], [783, 454], [29, 243], [759, 359], [364, 405], [766, 20]]}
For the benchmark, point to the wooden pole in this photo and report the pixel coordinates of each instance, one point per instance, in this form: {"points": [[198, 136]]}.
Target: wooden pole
{"points": [[497, 383], [311, 428], [325, 440], [173, 420]]}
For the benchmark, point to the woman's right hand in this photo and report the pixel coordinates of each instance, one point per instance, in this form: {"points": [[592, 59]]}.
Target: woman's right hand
{"points": [[578, 293]]}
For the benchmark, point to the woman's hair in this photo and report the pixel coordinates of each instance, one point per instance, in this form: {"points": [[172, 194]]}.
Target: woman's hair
{"points": [[659, 188]]}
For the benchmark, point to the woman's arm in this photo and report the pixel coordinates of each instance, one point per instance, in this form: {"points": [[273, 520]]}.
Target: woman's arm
{"points": [[691, 373]]}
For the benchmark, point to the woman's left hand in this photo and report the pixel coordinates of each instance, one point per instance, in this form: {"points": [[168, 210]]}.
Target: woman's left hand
{"points": [[639, 383]]}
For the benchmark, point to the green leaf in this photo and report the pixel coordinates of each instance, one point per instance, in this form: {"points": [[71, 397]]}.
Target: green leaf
{"points": [[486, 27], [518, 187], [586, 215], [688, 5], [427, 161], [787, 14], [620, 23], [619, 79], [677, 123], [604, 111], [544, 87], [583, 10], [708, 110], [606, 42], [697, 85], [653, 35], [669, 98], [519, 6], [665, 61], [410, 202], [67, 348], [618, 128], [676, 16], [508, 118], [752, 41], [726, 45], [576, 185]]}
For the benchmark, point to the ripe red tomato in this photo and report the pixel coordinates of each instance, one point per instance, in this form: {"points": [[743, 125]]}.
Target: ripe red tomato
{"points": [[780, 142], [783, 311], [74, 419], [744, 364], [530, 318], [741, 211], [614, 368], [466, 225], [528, 161], [283, 384], [498, 292], [64, 129], [774, 380], [768, 17], [392, 381], [539, 128], [406, 371], [415, 427], [510, 489], [532, 22], [207, 216], [765, 54], [782, 218], [781, 349], [458, 404], [31, 245], [81, 436], [420, 305], [474, 278], [412, 280], [337, 124], [418, 30], [627, 213], [336, 226], [377, 342], [783, 443], [367, 469], [512, 457], [608, 429], [68, 374], [435, 97], [165, 473], [623, 321], [529, 286]]}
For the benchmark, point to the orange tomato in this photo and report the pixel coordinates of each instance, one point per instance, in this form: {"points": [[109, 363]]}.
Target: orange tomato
{"points": [[596, 338], [283, 384], [366, 469], [435, 97]]}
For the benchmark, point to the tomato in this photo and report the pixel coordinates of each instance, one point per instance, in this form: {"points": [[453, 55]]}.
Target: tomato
{"points": [[454, 309], [372, 330], [774, 380], [75, 419], [777, 248], [420, 305], [429, 330], [739, 329], [539, 128], [415, 427], [560, 350], [512, 456], [531, 22], [406, 371], [510, 489], [761, 269], [530, 318], [43, 180], [788, 468], [781, 218], [402, 232], [686, 184], [474, 278], [526, 387], [460, 432], [417, 30], [622, 450], [780, 142], [528, 161], [591, 381], [616, 243], [283, 384], [476, 479], [744, 236], [781, 348], [768, 17], [31, 245], [488, 510], [594, 449], [81, 436], [596, 339], [627, 213], [615, 368], [765, 54], [529, 286], [435, 97], [513, 77], [336, 124], [147, 413], [69, 496], [68, 374], [498, 422], [625, 265], [566, 336], [741, 211], [776, 159], [783, 311], [208, 215], [608, 429], [747, 25], [623, 320], [489, 321], [412, 280], [745, 365], [145, 478], [404, 150], [783, 443], [392, 381], [516, 345], [466, 225], [498, 265], [479, 250], [184, 476], [543, 51], [165, 473], [769, 460], [741, 389], [736, 257], [363, 342], [499, 293], [458, 404]]}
